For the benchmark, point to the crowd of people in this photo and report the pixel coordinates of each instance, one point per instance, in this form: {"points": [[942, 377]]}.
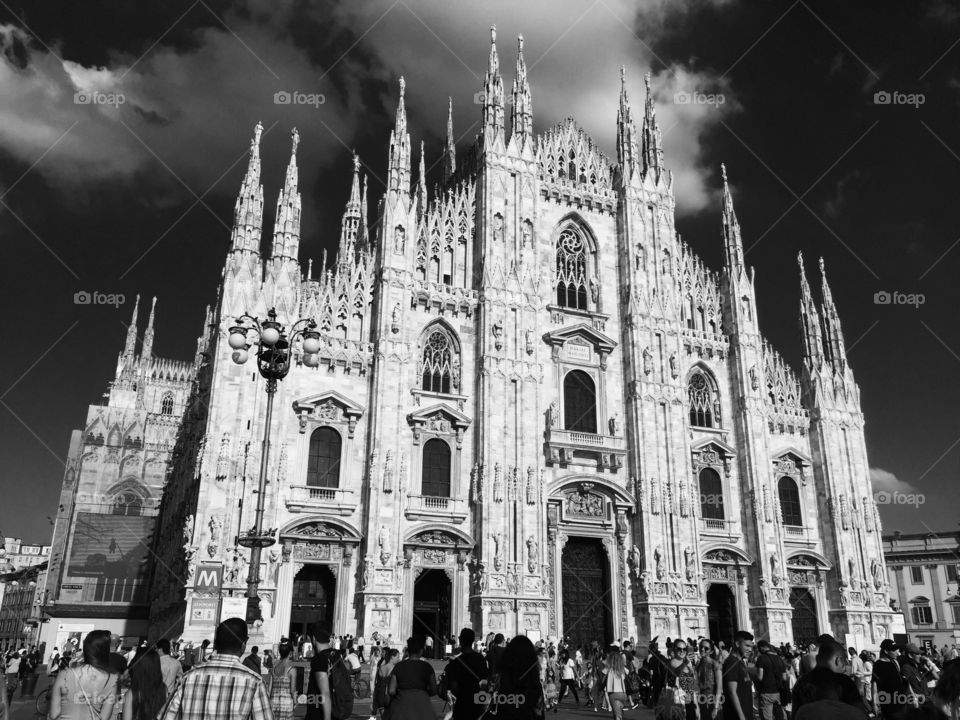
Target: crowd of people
{"points": [[510, 680]]}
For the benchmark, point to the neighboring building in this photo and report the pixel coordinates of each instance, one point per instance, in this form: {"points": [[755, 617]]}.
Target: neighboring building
{"points": [[114, 477], [534, 410], [15, 555], [923, 570], [20, 612]]}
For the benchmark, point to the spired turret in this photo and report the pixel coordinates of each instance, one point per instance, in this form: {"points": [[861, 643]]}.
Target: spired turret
{"points": [[398, 165], [652, 141], [521, 132], [352, 224], [248, 211], [627, 147], [493, 117], [286, 229], [449, 148]]}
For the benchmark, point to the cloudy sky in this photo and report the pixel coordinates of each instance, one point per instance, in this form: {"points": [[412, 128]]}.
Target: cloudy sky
{"points": [[124, 130]]}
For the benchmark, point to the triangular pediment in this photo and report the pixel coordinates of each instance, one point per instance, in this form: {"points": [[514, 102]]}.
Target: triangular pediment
{"points": [[714, 445], [580, 333], [437, 415], [791, 454], [316, 404]]}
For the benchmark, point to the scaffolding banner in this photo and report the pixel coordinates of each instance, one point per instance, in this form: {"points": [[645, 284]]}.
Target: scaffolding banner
{"points": [[111, 546]]}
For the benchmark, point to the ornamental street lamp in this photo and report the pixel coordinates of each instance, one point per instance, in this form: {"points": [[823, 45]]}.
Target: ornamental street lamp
{"points": [[274, 352]]}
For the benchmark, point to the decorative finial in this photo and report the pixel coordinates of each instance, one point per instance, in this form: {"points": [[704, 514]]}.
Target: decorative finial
{"points": [[822, 266], [356, 162], [723, 172], [295, 136], [646, 80], [800, 258], [257, 132], [403, 86], [520, 42], [493, 34]]}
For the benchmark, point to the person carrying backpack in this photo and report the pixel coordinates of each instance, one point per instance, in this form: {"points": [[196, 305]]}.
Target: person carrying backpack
{"points": [[770, 681], [329, 691]]}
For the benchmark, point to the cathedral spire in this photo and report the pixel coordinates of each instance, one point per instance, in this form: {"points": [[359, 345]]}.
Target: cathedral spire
{"points": [[350, 227], [809, 323], [248, 212], [652, 141], [398, 168], [834, 341], [365, 230], [449, 149], [522, 111], [493, 125], [130, 346], [626, 132], [421, 190], [286, 229], [732, 243], [147, 351]]}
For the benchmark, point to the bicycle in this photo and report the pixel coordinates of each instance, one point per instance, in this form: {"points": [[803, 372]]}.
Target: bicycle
{"points": [[361, 686], [43, 702]]}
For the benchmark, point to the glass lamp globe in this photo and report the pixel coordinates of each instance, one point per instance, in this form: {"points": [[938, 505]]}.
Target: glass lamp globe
{"points": [[238, 337], [270, 334], [311, 359], [240, 356], [311, 342]]}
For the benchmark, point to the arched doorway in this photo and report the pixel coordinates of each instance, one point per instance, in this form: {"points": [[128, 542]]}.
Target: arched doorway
{"points": [[314, 595], [804, 621], [721, 613], [587, 592], [431, 608]]}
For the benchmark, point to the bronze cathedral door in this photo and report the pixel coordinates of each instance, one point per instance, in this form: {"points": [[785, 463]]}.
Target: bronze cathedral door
{"points": [[586, 592]]}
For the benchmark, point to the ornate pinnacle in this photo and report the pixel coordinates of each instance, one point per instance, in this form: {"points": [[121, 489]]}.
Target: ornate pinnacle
{"points": [[723, 172], [493, 34], [403, 86], [295, 137]]}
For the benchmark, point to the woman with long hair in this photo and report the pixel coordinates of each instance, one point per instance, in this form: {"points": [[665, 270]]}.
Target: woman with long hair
{"points": [[283, 685], [520, 694], [89, 690], [147, 693], [412, 683], [614, 685], [381, 683]]}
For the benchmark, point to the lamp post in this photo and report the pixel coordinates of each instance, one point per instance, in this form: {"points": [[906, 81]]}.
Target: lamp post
{"points": [[274, 352]]}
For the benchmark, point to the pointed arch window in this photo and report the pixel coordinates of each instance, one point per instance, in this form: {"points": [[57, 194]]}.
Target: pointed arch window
{"points": [[579, 402], [323, 461], [789, 502], [704, 401], [711, 495], [436, 469], [127, 503], [166, 404], [571, 269], [440, 363]]}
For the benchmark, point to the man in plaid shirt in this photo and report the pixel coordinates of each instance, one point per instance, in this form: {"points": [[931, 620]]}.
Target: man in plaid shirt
{"points": [[222, 688]]}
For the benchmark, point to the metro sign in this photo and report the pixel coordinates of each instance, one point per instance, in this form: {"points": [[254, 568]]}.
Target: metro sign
{"points": [[209, 579]]}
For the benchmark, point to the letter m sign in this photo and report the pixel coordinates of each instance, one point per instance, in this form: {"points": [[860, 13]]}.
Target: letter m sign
{"points": [[209, 578]]}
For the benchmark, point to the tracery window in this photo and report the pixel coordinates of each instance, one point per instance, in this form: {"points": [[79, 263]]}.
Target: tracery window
{"points": [[127, 503], [323, 460], [790, 502], [711, 495], [571, 270], [437, 364], [704, 402], [166, 404], [436, 468]]}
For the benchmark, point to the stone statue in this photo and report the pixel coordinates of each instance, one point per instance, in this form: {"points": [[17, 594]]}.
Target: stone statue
{"points": [[854, 576], [188, 531], [645, 583], [395, 319], [876, 569], [754, 383], [497, 484], [399, 240], [512, 582], [367, 572], [636, 560], [673, 366], [383, 539], [533, 554], [526, 237], [690, 563], [531, 487], [388, 472], [552, 414], [595, 290], [215, 525], [614, 424], [658, 562], [530, 342], [497, 227], [763, 590], [647, 361], [497, 548], [775, 569]]}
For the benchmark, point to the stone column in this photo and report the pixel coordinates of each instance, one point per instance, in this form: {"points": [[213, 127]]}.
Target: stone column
{"points": [[283, 601], [820, 596], [936, 602]]}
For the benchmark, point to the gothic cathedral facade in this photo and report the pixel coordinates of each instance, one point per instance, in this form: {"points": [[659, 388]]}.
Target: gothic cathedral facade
{"points": [[536, 411]]}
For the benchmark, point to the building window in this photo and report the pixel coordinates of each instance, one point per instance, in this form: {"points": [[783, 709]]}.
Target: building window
{"points": [[323, 462], [436, 366], [790, 502], [704, 402], [571, 270], [579, 402], [955, 610], [436, 468], [951, 572], [711, 495], [916, 575], [166, 404], [127, 503], [921, 615]]}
